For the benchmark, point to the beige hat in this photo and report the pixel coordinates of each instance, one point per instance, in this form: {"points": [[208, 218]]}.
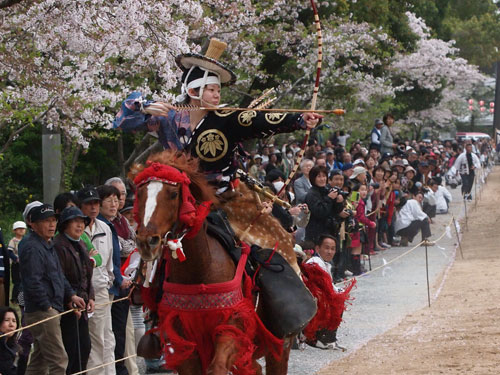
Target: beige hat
{"points": [[208, 62], [410, 169], [357, 171], [19, 225]]}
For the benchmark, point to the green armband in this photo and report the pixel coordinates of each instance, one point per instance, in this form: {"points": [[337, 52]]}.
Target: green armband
{"points": [[87, 241], [97, 260]]}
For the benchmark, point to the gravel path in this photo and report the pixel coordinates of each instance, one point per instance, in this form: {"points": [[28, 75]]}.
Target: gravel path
{"points": [[383, 298], [460, 333]]}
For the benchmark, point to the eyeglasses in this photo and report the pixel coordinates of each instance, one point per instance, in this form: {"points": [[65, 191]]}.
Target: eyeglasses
{"points": [[111, 201]]}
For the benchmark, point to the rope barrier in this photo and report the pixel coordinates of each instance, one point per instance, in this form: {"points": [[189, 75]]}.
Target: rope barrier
{"points": [[64, 313], [105, 364], [36, 323], [401, 255]]}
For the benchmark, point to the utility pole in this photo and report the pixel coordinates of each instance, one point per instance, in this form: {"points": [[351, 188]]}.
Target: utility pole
{"points": [[496, 115], [51, 163]]}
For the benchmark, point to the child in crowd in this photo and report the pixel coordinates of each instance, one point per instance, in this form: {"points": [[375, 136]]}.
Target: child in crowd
{"points": [[19, 229], [358, 196]]}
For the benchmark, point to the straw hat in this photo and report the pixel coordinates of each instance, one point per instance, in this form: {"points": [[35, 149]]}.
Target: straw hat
{"points": [[209, 61]]}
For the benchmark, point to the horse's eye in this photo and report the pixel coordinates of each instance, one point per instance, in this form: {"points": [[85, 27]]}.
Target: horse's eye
{"points": [[173, 195]]}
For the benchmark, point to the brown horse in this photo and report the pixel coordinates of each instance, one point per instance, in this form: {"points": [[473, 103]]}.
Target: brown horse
{"points": [[160, 205]]}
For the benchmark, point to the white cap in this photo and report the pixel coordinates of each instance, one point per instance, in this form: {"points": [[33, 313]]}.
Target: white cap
{"points": [[28, 208], [359, 161], [19, 224], [357, 172], [278, 185]]}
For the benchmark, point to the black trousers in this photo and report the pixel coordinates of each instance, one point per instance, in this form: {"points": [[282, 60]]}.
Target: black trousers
{"points": [[119, 315], [16, 280], [76, 340], [415, 227], [467, 182]]}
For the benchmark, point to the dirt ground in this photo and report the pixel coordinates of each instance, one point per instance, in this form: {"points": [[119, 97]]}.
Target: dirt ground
{"points": [[460, 333]]}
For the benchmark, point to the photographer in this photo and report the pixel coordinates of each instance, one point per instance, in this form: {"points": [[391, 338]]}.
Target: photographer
{"points": [[343, 224], [324, 204]]}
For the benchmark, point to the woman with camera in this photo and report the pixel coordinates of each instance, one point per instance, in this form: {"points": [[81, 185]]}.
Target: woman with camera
{"points": [[324, 203]]}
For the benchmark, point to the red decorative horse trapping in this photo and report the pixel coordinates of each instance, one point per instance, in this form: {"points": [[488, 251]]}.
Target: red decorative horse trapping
{"points": [[224, 310], [331, 304], [200, 302], [191, 214]]}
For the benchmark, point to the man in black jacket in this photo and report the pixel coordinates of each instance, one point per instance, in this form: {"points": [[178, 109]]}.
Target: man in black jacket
{"points": [[45, 292]]}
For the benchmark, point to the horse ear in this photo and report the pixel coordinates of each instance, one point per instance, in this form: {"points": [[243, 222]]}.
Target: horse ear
{"points": [[134, 171]]}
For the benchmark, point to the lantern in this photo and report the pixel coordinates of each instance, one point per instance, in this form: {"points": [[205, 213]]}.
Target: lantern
{"points": [[481, 103], [482, 109], [492, 110], [492, 104], [471, 101], [471, 108]]}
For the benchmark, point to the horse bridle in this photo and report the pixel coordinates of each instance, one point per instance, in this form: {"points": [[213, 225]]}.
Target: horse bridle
{"points": [[174, 243]]}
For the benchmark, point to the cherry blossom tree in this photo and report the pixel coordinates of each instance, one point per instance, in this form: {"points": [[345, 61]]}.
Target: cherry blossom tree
{"points": [[433, 79]]}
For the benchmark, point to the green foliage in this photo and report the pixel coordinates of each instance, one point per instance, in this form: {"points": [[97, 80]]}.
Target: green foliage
{"points": [[478, 39], [21, 172]]}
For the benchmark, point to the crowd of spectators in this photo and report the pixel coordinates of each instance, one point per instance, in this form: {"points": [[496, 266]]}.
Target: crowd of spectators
{"points": [[346, 202], [72, 257], [371, 195]]}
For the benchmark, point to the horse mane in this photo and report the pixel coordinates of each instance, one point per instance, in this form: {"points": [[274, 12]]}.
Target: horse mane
{"points": [[201, 190]]}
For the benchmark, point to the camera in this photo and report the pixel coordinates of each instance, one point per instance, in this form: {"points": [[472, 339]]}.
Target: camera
{"points": [[339, 191], [375, 185]]}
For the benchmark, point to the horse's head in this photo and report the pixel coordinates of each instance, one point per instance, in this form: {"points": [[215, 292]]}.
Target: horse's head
{"points": [[157, 205], [165, 204]]}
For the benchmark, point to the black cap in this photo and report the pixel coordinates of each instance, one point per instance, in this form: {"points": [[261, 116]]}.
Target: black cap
{"points": [[70, 213], [129, 205], [41, 212], [87, 194]]}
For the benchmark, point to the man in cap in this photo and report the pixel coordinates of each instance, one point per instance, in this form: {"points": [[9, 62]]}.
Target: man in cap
{"points": [[19, 229], [100, 327], [347, 170], [46, 290], [358, 175]]}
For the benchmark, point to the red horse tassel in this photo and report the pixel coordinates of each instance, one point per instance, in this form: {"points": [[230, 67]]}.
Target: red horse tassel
{"points": [[331, 304], [223, 310]]}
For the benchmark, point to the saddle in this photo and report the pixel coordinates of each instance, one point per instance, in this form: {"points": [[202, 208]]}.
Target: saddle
{"points": [[287, 304]]}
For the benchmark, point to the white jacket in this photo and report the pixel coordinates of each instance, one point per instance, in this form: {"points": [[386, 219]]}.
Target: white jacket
{"points": [[461, 164], [441, 195], [102, 239], [411, 211]]}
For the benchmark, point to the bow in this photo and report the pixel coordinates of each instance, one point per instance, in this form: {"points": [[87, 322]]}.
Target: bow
{"points": [[314, 97]]}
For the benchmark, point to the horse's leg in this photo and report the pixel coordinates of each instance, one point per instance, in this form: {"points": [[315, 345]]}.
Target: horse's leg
{"points": [[226, 351], [191, 366], [279, 367]]}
